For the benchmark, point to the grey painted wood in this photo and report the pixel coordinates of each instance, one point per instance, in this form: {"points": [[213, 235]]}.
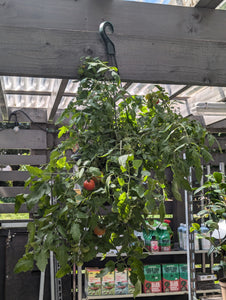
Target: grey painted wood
{"points": [[12, 191], [14, 160], [208, 3], [38, 115], [154, 43], [14, 175], [10, 208], [198, 62], [3, 103], [56, 96], [23, 139]]}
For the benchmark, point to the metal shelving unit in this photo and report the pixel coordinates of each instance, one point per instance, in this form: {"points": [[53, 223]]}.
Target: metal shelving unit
{"points": [[190, 253], [140, 295]]}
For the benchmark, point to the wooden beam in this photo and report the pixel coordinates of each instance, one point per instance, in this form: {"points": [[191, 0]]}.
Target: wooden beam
{"points": [[12, 191], [179, 44], [23, 139], [14, 175], [7, 208], [56, 96], [3, 103], [208, 3], [15, 160]]}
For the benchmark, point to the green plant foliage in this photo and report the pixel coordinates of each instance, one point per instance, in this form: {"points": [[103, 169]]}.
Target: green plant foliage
{"points": [[214, 195], [125, 143]]}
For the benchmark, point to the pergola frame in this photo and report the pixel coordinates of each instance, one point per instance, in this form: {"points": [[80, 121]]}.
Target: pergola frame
{"points": [[154, 43]]}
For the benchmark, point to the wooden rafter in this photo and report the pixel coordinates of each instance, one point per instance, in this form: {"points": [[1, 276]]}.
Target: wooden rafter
{"points": [[154, 43], [55, 98], [208, 3], [3, 103]]}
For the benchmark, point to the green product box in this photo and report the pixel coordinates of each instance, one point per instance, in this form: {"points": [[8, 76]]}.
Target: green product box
{"points": [[152, 282], [183, 277], [108, 284], [92, 283], [170, 278]]}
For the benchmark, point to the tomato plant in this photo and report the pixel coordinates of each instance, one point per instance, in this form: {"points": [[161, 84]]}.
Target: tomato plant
{"points": [[89, 185], [131, 143]]}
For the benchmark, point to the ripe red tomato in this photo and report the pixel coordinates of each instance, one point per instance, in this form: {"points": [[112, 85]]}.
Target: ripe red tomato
{"points": [[99, 231], [89, 185]]}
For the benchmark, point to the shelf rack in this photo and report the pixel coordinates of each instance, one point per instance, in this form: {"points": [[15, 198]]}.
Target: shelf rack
{"points": [[131, 296], [152, 294]]}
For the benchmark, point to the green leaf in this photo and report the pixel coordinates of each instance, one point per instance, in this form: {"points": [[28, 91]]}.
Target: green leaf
{"points": [[137, 163], [196, 226], [39, 189], [75, 232], [137, 289], [62, 130], [162, 211], [18, 202], [34, 171], [94, 171], [121, 181], [218, 177], [42, 260], [81, 172], [61, 163], [63, 271], [31, 229], [24, 264], [206, 155], [175, 191], [62, 255]]}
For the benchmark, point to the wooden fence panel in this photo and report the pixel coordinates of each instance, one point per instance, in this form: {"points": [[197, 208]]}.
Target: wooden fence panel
{"points": [[23, 139], [14, 160]]}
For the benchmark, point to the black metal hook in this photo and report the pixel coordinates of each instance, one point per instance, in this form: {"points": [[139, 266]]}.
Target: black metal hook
{"points": [[110, 47]]}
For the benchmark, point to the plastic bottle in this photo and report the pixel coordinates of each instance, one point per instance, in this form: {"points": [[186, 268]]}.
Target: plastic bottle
{"points": [[205, 244], [180, 236], [196, 241], [184, 237], [155, 241], [164, 238], [147, 239]]}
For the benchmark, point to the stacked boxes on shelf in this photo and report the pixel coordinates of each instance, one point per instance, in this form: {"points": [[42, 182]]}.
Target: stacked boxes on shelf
{"points": [[165, 278], [115, 283], [158, 279]]}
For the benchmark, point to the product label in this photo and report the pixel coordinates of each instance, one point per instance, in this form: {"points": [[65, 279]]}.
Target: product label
{"points": [[93, 283], [166, 248], [183, 277], [154, 246], [170, 279], [108, 284], [152, 282], [121, 283]]}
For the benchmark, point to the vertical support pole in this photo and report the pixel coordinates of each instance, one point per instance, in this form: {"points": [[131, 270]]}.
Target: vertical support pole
{"points": [[52, 276], [211, 255], [202, 221], [190, 243], [79, 283], [41, 288]]}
